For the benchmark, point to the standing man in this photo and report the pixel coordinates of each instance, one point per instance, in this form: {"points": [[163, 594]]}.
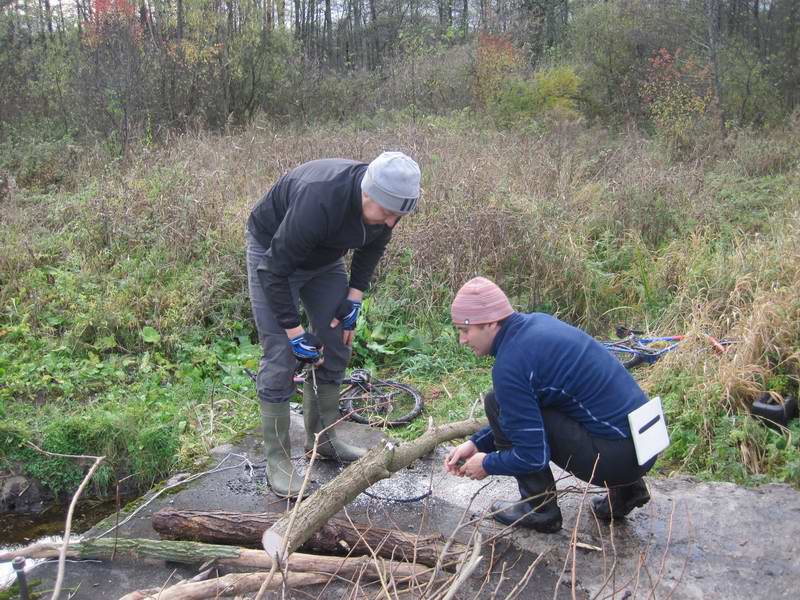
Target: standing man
{"points": [[558, 395], [297, 236]]}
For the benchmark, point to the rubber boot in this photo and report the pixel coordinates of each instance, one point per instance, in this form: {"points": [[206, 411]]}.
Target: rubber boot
{"points": [[282, 477], [321, 410], [538, 508], [621, 500]]}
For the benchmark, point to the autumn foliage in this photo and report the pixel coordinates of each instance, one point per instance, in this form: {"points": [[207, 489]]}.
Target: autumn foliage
{"points": [[108, 17], [497, 60], [677, 93]]}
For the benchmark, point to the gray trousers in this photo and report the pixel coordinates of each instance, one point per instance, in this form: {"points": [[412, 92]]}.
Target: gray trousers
{"points": [[320, 290]]}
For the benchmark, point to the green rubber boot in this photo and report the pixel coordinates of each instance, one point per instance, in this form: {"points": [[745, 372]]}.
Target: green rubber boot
{"points": [[321, 410], [281, 475]]}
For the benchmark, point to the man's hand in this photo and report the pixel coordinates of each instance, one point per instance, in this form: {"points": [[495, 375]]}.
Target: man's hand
{"points": [[307, 348], [458, 456], [474, 467], [347, 315]]}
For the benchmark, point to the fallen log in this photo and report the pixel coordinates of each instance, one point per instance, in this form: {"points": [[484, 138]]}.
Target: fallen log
{"points": [[292, 530], [224, 556], [234, 584], [337, 536]]}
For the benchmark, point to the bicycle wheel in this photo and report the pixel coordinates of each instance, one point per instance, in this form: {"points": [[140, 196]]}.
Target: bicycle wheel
{"points": [[629, 358], [381, 403]]}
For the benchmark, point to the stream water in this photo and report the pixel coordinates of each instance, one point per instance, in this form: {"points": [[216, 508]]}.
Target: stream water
{"points": [[18, 530]]}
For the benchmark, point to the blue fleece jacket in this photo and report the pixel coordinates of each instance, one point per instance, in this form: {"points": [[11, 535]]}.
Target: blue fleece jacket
{"points": [[542, 362]]}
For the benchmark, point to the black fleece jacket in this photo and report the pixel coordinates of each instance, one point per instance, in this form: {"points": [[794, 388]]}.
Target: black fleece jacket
{"points": [[310, 218]]}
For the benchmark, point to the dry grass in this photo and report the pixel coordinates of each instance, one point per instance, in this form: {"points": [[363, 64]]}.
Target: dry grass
{"points": [[529, 210]]}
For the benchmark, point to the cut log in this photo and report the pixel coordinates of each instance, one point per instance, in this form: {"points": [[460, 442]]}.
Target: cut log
{"points": [[337, 536], [229, 585], [224, 556], [292, 530]]}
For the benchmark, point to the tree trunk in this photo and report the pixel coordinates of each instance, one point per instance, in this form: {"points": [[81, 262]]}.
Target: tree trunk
{"points": [[712, 24], [48, 16], [195, 553], [293, 529], [328, 34], [269, 9], [280, 8], [79, 18], [792, 93], [335, 536], [180, 22]]}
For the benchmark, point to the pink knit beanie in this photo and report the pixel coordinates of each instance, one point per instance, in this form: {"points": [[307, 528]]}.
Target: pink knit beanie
{"points": [[480, 301]]}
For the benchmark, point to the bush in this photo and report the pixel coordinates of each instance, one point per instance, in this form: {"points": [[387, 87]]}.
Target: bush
{"points": [[497, 61], [38, 155], [552, 92], [749, 98], [605, 40], [678, 95]]}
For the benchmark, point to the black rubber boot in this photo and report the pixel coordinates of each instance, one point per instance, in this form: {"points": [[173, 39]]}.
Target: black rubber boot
{"points": [[621, 500], [538, 507]]}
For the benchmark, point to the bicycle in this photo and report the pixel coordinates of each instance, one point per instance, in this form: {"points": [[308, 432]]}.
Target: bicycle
{"points": [[632, 350], [368, 400]]}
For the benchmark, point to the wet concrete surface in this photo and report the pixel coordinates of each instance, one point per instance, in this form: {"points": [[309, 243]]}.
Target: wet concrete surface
{"points": [[694, 540]]}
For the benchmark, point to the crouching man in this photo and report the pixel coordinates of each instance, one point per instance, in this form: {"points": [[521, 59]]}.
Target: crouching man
{"points": [[557, 395]]}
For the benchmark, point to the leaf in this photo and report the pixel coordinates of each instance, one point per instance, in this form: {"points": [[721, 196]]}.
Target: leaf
{"points": [[150, 335], [377, 332], [379, 348], [106, 343]]}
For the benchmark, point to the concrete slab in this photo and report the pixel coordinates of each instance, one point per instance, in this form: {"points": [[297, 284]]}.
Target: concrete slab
{"points": [[240, 486], [693, 540]]}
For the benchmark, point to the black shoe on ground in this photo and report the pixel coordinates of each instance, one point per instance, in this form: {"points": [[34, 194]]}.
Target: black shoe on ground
{"points": [[545, 519], [621, 500]]}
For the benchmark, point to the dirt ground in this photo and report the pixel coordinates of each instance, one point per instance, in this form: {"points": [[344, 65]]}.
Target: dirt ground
{"points": [[694, 540]]}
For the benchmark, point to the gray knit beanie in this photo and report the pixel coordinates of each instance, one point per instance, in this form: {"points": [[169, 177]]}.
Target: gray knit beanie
{"points": [[392, 180]]}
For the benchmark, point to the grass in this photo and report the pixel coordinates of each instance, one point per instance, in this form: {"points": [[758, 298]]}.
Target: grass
{"points": [[125, 324]]}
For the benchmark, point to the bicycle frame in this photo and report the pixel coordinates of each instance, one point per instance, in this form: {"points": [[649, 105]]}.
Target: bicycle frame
{"points": [[641, 346], [641, 350]]}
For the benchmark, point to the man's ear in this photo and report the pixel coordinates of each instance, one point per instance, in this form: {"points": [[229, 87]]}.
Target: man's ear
{"points": [[493, 326]]}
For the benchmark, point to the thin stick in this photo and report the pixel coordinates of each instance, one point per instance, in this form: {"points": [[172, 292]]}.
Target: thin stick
{"points": [[609, 573], [666, 551], [448, 542], [280, 556], [62, 555], [216, 469], [499, 581], [574, 539], [463, 563], [472, 408], [522, 583], [474, 559], [688, 553]]}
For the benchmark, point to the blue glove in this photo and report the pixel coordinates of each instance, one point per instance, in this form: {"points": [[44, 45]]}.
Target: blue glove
{"points": [[306, 347], [347, 313]]}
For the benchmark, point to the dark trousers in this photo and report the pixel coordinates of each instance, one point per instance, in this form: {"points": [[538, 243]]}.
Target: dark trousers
{"points": [[320, 290], [575, 450]]}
